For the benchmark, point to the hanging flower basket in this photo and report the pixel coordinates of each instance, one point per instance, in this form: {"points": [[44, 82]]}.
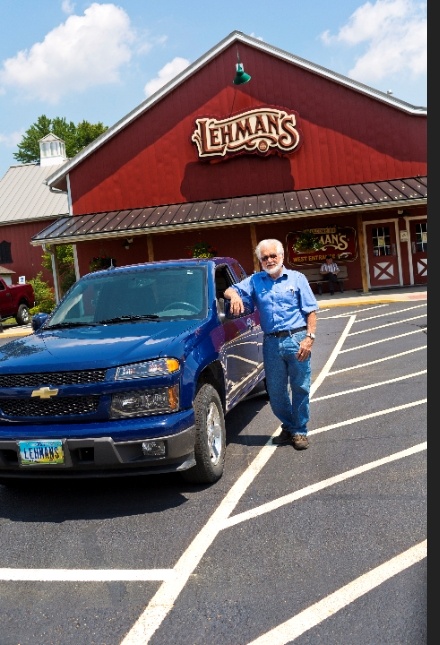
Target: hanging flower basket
{"points": [[306, 242], [201, 250]]}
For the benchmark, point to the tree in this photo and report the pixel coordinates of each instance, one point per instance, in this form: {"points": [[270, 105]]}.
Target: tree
{"points": [[64, 254], [76, 137]]}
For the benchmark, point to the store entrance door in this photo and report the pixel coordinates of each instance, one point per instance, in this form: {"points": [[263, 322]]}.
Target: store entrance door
{"points": [[418, 230], [382, 255]]}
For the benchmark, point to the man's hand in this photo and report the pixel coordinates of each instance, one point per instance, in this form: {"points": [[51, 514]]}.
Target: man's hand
{"points": [[236, 305], [305, 349]]}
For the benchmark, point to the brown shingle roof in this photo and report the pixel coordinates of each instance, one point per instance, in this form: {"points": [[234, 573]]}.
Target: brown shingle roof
{"points": [[396, 193]]}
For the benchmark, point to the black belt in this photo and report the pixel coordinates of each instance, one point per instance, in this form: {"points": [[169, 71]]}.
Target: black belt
{"points": [[286, 332]]}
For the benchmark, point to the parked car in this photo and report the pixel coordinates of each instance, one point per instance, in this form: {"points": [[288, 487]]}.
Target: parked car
{"points": [[15, 301], [133, 372]]}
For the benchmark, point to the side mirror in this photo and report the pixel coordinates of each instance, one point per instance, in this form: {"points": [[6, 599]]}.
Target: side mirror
{"points": [[38, 320], [221, 308]]}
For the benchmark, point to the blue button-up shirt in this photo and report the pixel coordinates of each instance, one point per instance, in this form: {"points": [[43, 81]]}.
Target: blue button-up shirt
{"points": [[283, 303]]}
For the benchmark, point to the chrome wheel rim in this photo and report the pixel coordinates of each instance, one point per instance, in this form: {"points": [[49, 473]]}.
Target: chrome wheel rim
{"points": [[214, 430]]}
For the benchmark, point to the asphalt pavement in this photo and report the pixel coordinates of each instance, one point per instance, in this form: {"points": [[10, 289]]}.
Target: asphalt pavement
{"points": [[344, 299]]}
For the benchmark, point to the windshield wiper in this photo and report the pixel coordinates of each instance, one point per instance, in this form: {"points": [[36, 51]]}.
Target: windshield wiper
{"points": [[69, 325], [117, 319]]}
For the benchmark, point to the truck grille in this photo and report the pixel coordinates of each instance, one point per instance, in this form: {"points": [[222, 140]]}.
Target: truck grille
{"points": [[52, 378], [57, 407]]}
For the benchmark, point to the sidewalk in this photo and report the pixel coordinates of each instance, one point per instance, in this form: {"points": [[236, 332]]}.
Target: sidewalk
{"points": [[345, 299], [381, 296]]}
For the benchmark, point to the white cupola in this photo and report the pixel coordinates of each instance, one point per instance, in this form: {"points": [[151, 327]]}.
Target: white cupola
{"points": [[52, 150]]}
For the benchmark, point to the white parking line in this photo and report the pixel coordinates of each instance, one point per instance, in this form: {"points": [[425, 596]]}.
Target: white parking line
{"points": [[174, 580], [379, 360], [398, 311], [368, 387], [382, 340], [396, 322], [315, 614], [257, 511]]}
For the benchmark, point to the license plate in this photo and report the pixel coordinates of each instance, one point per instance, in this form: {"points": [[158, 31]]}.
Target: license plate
{"points": [[49, 451]]}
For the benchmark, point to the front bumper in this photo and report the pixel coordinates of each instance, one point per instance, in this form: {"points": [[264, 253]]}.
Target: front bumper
{"points": [[87, 457]]}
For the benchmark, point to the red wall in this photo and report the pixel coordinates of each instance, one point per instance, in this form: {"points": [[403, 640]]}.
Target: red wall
{"points": [[26, 258], [347, 137]]}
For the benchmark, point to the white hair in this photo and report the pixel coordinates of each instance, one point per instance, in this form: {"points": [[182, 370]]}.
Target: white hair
{"points": [[269, 242]]}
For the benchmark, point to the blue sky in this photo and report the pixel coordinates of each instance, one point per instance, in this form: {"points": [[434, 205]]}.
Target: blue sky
{"points": [[97, 61]]}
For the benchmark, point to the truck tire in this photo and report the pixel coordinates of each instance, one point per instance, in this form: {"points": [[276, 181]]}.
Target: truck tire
{"points": [[22, 317], [210, 442]]}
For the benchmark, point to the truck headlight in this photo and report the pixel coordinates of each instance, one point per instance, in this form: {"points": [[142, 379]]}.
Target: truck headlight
{"points": [[141, 403], [157, 367]]}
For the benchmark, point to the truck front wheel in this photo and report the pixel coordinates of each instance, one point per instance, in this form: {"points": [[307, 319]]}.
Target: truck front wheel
{"points": [[22, 316], [210, 443]]}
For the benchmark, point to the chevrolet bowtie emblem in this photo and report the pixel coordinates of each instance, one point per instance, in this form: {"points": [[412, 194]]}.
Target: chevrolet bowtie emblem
{"points": [[44, 392]]}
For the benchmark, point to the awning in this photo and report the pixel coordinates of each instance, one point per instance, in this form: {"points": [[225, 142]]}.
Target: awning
{"points": [[330, 200]]}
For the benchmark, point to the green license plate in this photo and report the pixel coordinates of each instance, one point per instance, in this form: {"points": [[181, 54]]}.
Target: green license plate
{"points": [[49, 451]]}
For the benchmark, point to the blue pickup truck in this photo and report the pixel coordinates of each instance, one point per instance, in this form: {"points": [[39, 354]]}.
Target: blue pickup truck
{"points": [[132, 373]]}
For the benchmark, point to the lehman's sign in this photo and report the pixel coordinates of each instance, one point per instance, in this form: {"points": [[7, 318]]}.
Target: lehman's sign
{"points": [[313, 244], [263, 130]]}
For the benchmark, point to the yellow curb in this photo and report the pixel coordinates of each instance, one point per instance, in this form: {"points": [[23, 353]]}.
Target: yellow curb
{"points": [[12, 333], [377, 300]]}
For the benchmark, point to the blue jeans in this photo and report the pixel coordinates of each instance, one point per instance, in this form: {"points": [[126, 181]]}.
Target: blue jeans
{"points": [[288, 381]]}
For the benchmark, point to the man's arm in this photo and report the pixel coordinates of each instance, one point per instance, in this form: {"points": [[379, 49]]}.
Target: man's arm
{"points": [[305, 346], [237, 306], [311, 322]]}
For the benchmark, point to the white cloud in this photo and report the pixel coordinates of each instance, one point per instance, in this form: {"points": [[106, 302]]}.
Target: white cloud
{"points": [[12, 139], [394, 35], [85, 51], [168, 71], [67, 6]]}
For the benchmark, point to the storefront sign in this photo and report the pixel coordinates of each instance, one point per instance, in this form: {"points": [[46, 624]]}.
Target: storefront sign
{"points": [[262, 130], [313, 244]]}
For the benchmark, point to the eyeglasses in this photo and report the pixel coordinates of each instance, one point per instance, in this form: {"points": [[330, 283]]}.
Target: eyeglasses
{"points": [[272, 256]]}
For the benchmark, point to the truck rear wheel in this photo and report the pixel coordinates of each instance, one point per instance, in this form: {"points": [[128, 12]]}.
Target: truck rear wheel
{"points": [[22, 316], [210, 443]]}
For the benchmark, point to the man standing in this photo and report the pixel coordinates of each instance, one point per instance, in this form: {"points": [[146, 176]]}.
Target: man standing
{"points": [[287, 309], [329, 271]]}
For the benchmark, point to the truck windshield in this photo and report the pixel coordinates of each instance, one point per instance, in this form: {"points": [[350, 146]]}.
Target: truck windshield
{"points": [[121, 296]]}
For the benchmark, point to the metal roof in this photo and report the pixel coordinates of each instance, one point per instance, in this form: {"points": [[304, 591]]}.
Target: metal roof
{"points": [[58, 178], [24, 195], [396, 193]]}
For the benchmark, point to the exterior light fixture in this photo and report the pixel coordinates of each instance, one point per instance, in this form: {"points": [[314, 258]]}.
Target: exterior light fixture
{"points": [[240, 75]]}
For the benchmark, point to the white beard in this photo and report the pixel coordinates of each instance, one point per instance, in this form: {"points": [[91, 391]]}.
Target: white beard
{"points": [[274, 270]]}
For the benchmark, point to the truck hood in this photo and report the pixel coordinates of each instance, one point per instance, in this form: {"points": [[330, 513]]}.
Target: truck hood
{"points": [[97, 347]]}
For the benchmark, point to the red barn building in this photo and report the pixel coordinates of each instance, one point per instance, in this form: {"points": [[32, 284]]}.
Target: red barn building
{"points": [[294, 149]]}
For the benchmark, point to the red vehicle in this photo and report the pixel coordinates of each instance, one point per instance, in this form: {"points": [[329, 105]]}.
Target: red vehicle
{"points": [[15, 301]]}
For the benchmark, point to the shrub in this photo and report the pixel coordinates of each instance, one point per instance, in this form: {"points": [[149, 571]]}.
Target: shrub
{"points": [[44, 296]]}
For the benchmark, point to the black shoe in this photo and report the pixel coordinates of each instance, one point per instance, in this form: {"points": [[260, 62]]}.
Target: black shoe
{"points": [[283, 438], [332, 293], [300, 442]]}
